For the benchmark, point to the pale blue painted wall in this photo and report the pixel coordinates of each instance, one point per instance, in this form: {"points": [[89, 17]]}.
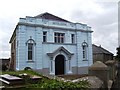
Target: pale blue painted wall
{"points": [[34, 27]]}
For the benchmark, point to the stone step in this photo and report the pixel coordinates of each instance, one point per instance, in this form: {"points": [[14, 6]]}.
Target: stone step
{"points": [[4, 81], [10, 80]]}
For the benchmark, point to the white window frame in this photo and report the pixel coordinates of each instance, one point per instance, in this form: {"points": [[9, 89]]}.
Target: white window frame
{"points": [[59, 37], [84, 50], [31, 41], [30, 51]]}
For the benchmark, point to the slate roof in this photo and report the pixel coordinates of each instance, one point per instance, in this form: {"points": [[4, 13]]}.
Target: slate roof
{"points": [[49, 16], [99, 49]]}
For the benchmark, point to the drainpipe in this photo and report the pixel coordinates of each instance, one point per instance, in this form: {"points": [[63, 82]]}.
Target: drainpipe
{"points": [[88, 49], [76, 47]]}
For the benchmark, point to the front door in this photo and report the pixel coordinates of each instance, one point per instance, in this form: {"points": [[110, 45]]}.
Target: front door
{"points": [[59, 65]]}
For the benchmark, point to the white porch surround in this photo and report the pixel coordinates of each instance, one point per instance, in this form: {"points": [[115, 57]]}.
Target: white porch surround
{"points": [[52, 66], [66, 54], [70, 68]]}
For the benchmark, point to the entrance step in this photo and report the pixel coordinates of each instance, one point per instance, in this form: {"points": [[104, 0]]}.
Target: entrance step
{"points": [[10, 80]]}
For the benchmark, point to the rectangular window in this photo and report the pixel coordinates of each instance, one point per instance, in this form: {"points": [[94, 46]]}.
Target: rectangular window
{"points": [[84, 53], [44, 36], [59, 37], [30, 51], [72, 38]]}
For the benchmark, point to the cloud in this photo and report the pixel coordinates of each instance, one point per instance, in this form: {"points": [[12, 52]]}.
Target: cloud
{"points": [[100, 15], [106, 27], [103, 20]]}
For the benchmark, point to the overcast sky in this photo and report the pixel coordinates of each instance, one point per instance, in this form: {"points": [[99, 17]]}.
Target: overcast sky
{"points": [[101, 15]]}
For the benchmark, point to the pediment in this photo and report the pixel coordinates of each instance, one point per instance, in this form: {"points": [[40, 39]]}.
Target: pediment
{"points": [[50, 17], [59, 50]]}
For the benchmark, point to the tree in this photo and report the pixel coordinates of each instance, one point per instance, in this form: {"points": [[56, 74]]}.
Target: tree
{"points": [[118, 54]]}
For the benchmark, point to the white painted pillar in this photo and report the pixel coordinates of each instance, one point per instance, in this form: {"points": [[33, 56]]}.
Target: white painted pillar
{"points": [[52, 67], [69, 67], [66, 67]]}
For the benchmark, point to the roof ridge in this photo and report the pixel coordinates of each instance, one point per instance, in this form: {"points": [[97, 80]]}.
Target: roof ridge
{"points": [[50, 16], [105, 50], [101, 49]]}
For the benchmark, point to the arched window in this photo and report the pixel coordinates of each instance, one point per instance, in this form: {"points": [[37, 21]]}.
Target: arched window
{"points": [[30, 49], [84, 48]]}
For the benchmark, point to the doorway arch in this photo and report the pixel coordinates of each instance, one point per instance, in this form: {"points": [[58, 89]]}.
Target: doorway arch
{"points": [[59, 65]]}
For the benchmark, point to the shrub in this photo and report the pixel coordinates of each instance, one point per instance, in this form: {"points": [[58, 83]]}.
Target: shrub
{"points": [[47, 83], [59, 85]]}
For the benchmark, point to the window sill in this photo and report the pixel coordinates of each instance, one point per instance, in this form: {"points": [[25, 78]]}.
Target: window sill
{"points": [[84, 60], [59, 43], [30, 61]]}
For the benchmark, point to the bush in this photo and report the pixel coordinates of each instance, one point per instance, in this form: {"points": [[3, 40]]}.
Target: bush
{"points": [[26, 78], [47, 83], [59, 85]]}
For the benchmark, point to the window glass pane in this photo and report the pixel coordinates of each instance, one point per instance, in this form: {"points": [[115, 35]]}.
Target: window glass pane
{"points": [[83, 54], [55, 39], [30, 45], [29, 55], [72, 38], [62, 40], [30, 50], [44, 33], [83, 47], [44, 36], [59, 37]]}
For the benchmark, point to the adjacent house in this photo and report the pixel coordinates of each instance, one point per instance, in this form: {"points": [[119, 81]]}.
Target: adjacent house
{"points": [[4, 64], [51, 45], [101, 54]]}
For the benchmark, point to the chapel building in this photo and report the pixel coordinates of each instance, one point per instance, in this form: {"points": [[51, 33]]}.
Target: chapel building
{"points": [[51, 45]]}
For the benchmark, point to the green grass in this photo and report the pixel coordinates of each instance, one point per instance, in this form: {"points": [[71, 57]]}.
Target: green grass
{"points": [[60, 85], [16, 73], [47, 83]]}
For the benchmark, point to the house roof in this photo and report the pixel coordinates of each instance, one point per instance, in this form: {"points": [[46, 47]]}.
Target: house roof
{"points": [[49, 16], [3, 61], [99, 49]]}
